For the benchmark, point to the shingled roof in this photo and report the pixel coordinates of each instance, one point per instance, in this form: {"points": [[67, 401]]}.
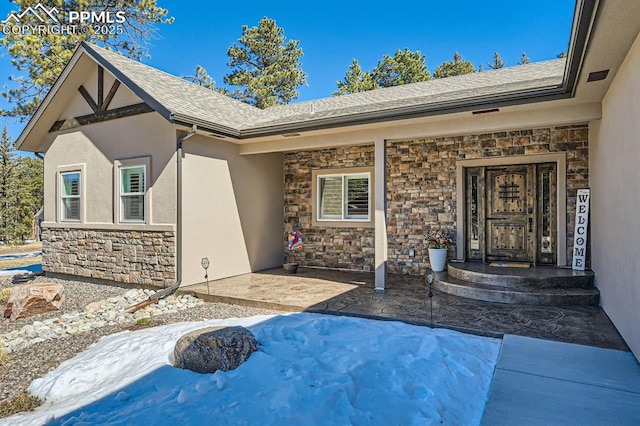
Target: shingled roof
{"points": [[438, 92], [173, 96], [185, 103]]}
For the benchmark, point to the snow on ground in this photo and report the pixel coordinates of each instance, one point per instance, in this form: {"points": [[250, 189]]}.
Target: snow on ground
{"points": [[20, 255], [36, 267], [309, 369]]}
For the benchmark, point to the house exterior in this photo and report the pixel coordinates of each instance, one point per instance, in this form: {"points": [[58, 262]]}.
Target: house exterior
{"points": [[146, 174]]}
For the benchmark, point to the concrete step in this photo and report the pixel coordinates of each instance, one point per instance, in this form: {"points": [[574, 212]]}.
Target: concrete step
{"points": [[540, 277], [526, 296]]}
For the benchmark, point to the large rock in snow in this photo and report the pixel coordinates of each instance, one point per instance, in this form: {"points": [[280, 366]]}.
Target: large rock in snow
{"points": [[32, 299], [214, 348]]}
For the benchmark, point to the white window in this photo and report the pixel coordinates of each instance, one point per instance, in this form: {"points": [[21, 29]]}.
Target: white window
{"points": [[132, 193], [70, 199], [344, 197]]}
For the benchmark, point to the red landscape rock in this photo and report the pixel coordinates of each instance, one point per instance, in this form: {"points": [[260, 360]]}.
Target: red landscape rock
{"points": [[32, 299], [7, 310]]}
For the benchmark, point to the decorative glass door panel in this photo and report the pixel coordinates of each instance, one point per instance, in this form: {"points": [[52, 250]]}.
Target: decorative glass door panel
{"points": [[547, 213], [475, 213]]}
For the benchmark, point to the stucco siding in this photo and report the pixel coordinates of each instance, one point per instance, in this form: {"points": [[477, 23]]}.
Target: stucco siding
{"points": [[615, 228], [232, 210], [98, 246], [97, 147]]}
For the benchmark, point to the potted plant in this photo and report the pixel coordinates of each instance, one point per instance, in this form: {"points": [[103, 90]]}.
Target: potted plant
{"points": [[438, 242], [294, 242]]}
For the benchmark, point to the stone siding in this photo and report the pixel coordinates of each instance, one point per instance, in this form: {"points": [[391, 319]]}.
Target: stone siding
{"points": [[348, 248], [421, 192], [136, 257]]}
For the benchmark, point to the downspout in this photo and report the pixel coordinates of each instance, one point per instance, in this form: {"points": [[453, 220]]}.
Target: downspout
{"points": [[169, 290]]}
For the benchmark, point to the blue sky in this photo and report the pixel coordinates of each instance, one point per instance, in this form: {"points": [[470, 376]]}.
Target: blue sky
{"points": [[332, 33]]}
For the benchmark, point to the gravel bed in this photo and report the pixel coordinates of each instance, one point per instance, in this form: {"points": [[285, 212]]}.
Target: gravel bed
{"points": [[35, 361], [77, 295]]}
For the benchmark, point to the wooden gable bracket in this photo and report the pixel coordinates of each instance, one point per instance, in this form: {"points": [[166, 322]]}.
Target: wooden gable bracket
{"points": [[99, 107]]}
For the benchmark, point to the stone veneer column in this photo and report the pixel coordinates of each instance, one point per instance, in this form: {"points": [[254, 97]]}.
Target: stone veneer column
{"points": [[380, 198]]}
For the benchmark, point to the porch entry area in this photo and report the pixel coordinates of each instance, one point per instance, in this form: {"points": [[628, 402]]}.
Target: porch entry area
{"points": [[351, 293], [511, 213], [512, 209]]}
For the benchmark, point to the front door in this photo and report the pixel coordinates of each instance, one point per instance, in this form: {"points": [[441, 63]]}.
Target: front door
{"points": [[511, 213]]}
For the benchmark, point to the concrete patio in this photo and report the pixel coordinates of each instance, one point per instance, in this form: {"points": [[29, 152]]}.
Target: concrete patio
{"points": [[405, 299]]}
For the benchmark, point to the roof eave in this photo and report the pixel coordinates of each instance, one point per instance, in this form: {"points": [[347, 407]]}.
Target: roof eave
{"points": [[85, 48], [141, 93], [416, 111], [208, 126], [585, 15], [33, 120]]}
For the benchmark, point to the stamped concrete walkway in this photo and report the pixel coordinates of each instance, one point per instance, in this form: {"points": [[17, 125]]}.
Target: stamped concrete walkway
{"points": [[405, 299]]}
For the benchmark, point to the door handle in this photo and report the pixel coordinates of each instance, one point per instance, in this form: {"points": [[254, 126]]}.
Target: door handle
{"points": [[530, 224]]}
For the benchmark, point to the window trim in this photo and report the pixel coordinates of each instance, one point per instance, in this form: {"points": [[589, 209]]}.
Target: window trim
{"points": [[343, 222], [64, 197], [124, 164], [123, 195], [68, 169]]}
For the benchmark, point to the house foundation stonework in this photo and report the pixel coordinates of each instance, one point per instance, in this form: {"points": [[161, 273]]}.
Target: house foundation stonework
{"points": [[136, 257], [421, 192]]}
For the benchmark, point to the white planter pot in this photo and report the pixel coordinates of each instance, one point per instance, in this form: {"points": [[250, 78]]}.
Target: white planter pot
{"points": [[438, 259]]}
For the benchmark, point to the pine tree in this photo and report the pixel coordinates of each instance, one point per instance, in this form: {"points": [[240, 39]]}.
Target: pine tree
{"points": [[201, 77], [7, 186], [265, 66], [355, 81], [457, 66], [21, 191], [29, 199], [403, 67], [524, 59], [40, 58], [497, 62]]}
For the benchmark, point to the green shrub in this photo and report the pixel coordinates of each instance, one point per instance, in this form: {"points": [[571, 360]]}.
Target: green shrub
{"points": [[144, 321]]}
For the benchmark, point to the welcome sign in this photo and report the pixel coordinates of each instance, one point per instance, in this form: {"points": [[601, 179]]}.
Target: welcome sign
{"points": [[580, 233]]}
